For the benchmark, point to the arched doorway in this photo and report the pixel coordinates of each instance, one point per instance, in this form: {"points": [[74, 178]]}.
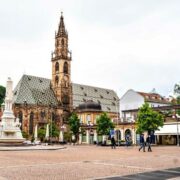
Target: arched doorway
{"points": [[128, 135]]}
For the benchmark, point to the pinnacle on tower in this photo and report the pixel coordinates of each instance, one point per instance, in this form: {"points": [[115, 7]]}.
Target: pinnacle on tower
{"points": [[62, 31]]}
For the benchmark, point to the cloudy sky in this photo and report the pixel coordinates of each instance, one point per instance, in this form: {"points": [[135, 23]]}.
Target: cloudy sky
{"points": [[115, 44]]}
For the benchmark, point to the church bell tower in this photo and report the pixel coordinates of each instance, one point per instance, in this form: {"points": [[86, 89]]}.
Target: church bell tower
{"points": [[61, 69]]}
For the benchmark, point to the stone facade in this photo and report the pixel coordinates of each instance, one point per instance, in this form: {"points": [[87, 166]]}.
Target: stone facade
{"points": [[38, 101]]}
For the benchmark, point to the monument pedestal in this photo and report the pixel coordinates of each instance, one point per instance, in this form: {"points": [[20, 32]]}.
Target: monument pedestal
{"points": [[10, 133]]}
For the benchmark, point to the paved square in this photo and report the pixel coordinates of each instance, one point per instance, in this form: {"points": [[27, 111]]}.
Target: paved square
{"points": [[86, 162]]}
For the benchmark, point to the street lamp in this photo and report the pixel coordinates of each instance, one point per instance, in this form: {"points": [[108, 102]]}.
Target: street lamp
{"points": [[176, 117]]}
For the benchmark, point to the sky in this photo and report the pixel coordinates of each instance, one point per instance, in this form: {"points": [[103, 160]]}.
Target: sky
{"points": [[115, 44]]}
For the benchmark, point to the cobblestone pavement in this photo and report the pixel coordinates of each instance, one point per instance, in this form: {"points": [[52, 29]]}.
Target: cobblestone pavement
{"points": [[85, 162]]}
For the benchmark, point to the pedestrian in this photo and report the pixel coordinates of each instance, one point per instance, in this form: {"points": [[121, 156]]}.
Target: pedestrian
{"points": [[127, 140], [142, 143], [113, 143], [148, 142]]}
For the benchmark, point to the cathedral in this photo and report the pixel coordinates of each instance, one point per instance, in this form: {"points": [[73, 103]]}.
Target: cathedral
{"points": [[38, 101]]}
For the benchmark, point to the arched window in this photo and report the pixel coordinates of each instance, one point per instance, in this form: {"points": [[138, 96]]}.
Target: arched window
{"points": [[56, 67], [43, 115], [65, 68], [62, 42], [31, 120], [56, 80], [66, 99], [21, 118]]}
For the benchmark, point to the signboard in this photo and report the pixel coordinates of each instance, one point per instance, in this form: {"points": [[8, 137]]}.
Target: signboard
{"points": [[112, 132]]}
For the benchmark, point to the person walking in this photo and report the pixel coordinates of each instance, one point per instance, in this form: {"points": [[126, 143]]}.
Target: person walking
{"points": [[142, 143], [149, 141], [127, 140], [113, 143]]}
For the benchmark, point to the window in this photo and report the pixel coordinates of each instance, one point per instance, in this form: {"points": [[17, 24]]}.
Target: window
{"points": [[56, 67], [101, 96], [99, 101], [81, 88], [113, 104], [88, 119], [31, 120], [107, 92], [56, 80], [108, 108], [114, 98], [95, 90], [62, 42], [85, 94], [65, 68], [21, 118], [66, 99]]}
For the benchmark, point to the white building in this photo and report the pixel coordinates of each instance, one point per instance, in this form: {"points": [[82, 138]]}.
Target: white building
{"points": [[130, 102]]}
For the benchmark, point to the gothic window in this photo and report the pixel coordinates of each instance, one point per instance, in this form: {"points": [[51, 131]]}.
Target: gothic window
{"points": [[43, 114], [21, 118], [65, 68], [66, 99], [31, 119], [56, 80], [62, 42], [56, 67]]}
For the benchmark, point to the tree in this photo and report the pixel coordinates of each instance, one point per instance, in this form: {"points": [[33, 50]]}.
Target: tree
{"points": [[41, 133], [104, 124], [178, 103], [148, 119], [2, 94], [74, 124], [53, 130]]}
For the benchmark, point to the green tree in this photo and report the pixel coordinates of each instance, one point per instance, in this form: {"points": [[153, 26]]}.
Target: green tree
{"points": [[53, 130], [148, 119], [74, 124], [2, 94], [41, 133], [104, 124], [178, 103]]}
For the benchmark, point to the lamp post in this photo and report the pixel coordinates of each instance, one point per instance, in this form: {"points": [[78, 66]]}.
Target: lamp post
{"points": [[176, 118]]}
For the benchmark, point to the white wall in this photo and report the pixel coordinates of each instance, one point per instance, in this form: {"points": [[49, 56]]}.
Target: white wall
{"points": [[130, 100]]}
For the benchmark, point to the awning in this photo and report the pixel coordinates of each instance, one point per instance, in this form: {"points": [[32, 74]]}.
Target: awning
{"points": [[168, 129]]}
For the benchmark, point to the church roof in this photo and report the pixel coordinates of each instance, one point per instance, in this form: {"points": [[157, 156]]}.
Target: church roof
{"points": [[34, 90], [37, 90], [107, 98]]}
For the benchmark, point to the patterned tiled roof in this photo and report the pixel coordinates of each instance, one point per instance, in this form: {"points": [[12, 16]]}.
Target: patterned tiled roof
{"points": [[107, 98], [154, 97], [35, 90]]}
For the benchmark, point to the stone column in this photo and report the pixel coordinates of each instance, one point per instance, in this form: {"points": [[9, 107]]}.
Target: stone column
{"points": [[122, 134], [133, 136], [80, 138], [87, 136], [61, 136], [95, 136]]}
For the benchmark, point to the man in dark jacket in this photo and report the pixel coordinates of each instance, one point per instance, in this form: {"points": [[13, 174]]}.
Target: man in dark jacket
{"points": [[148, 141], [113, 142], [142, 143]]}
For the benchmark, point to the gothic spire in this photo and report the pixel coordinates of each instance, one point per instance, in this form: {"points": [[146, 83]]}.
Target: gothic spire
{"points": [[62, 31]]}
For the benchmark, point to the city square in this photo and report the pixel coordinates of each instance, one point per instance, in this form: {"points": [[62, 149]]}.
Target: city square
{"points": [[89, 90], [89, 162]]}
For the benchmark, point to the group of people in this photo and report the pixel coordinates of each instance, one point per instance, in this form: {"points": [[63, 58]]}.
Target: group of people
{"points": [[144, 143]]}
